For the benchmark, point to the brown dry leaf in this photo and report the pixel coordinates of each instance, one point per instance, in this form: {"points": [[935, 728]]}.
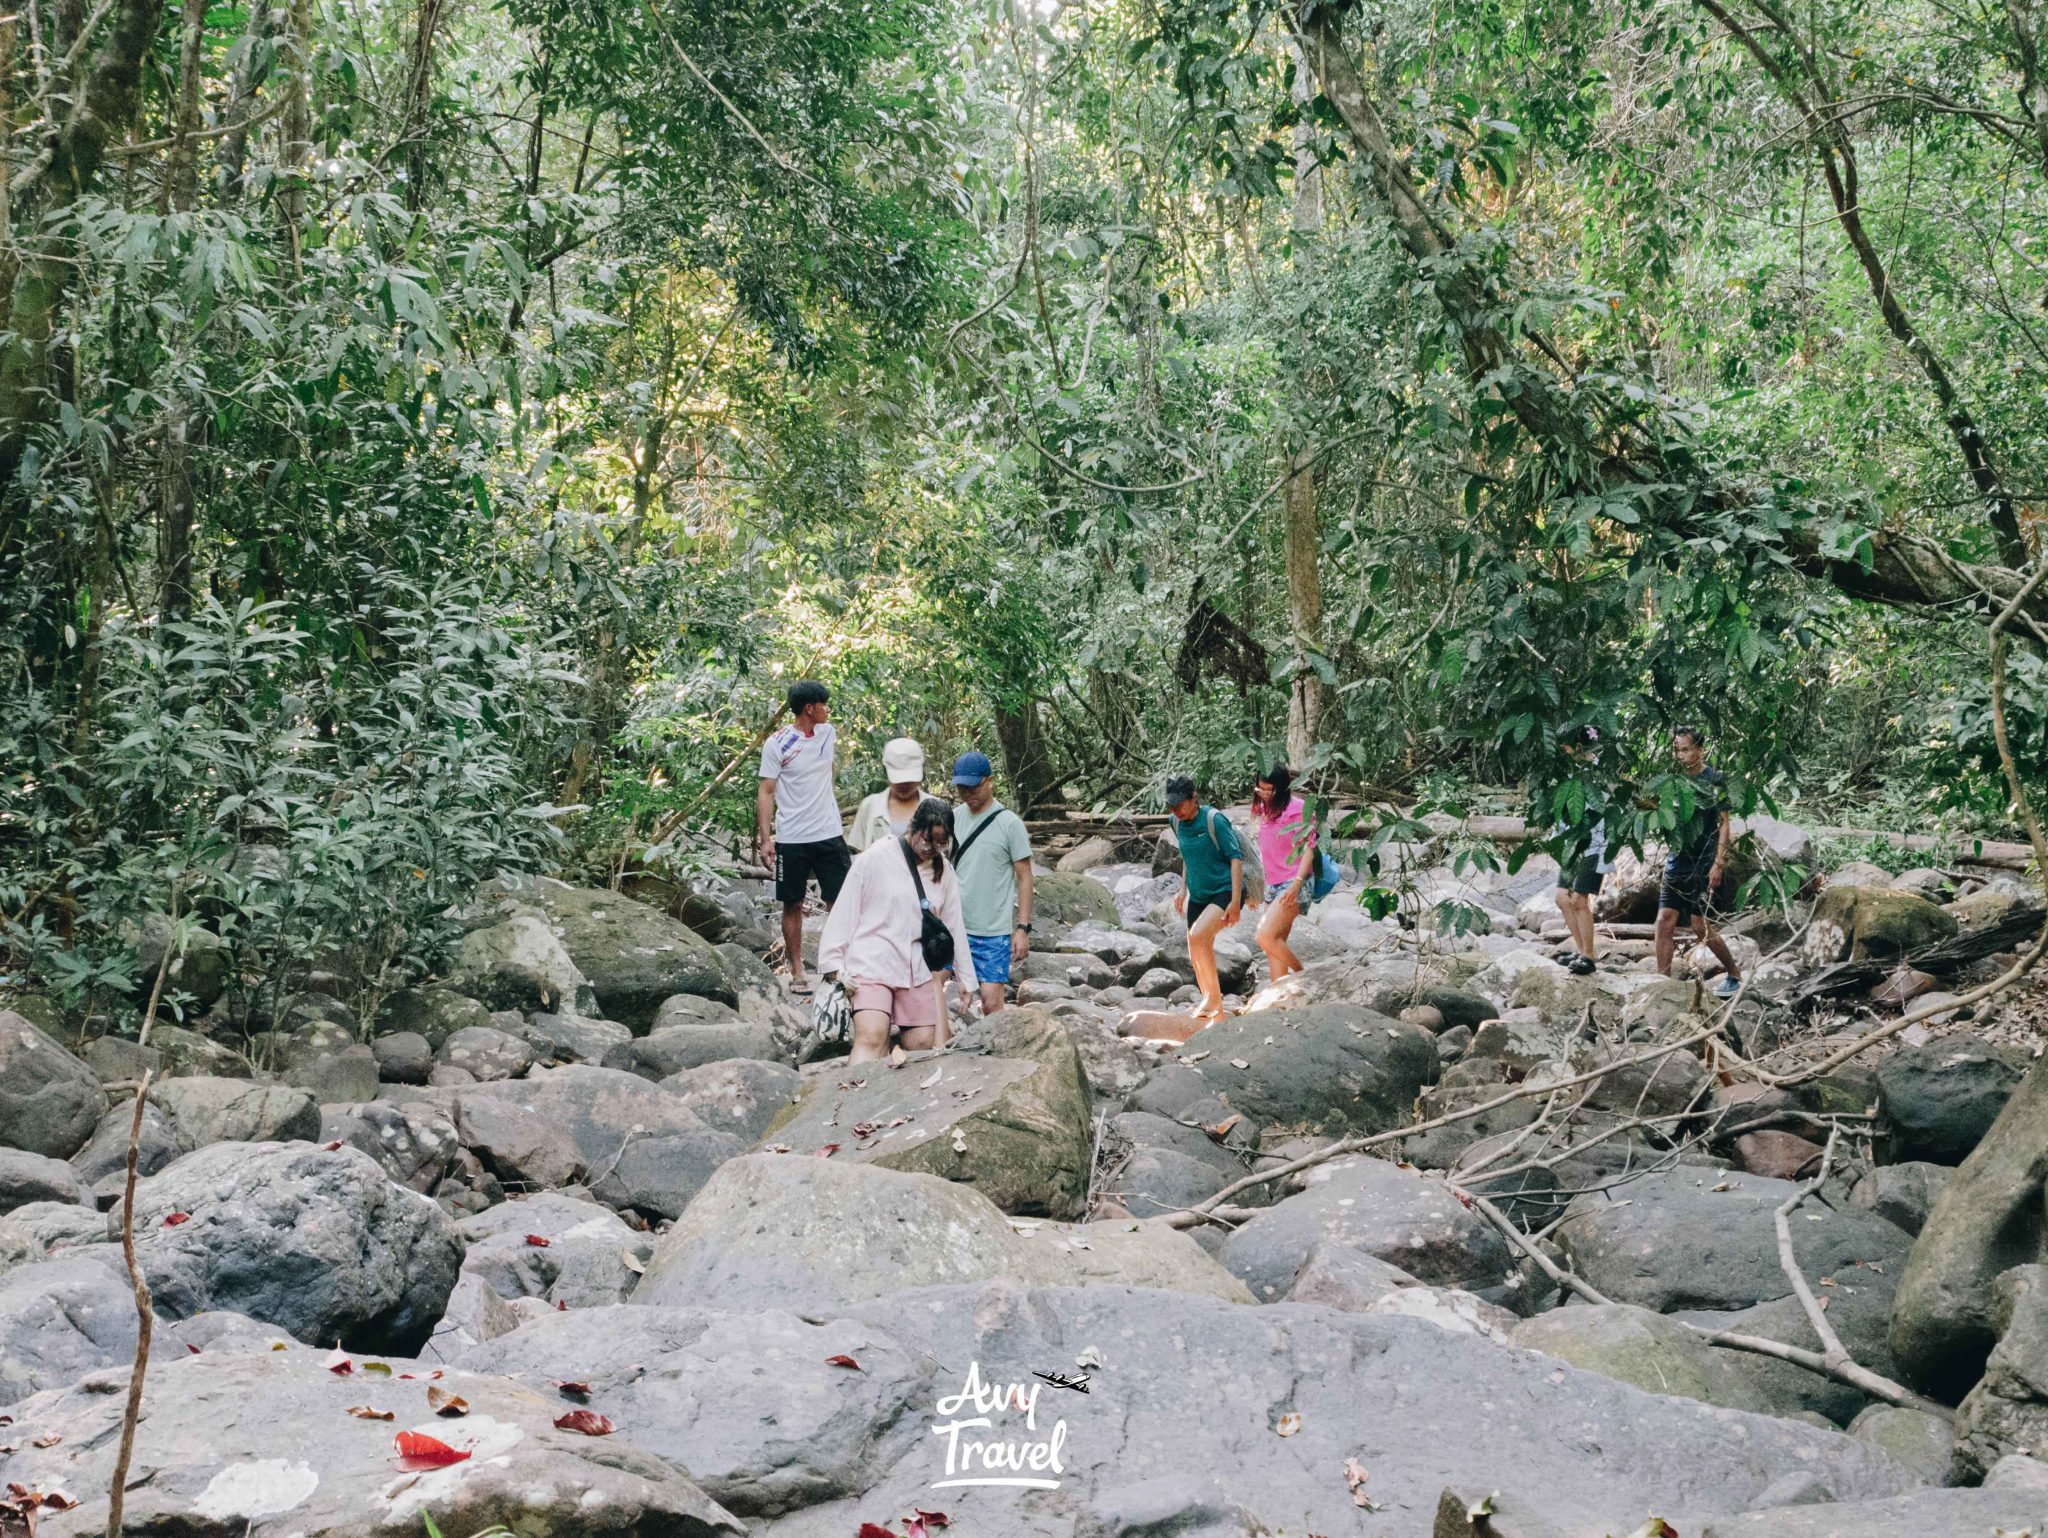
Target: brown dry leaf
{"points": [[589, 1422], [49, 1441], [898, 1057], [827, 1151], [632, 1262], [1222, 1129], [441, 1402], [895, 1121], [573, 1389], [1288, 1424], [363, 1412], [778, 1148], [865, 1129]]}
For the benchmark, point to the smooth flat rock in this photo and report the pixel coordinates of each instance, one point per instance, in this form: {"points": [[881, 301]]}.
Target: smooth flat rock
{"points": [[789, 1231], [808, 1430], [1420, 1408], [262, 1443]]}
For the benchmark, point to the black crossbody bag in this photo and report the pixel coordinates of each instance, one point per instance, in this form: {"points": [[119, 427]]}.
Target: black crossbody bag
{"points": [[934, 939]]}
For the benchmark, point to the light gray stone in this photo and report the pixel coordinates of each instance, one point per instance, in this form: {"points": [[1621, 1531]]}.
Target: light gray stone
{"points": [[49, 1101]]}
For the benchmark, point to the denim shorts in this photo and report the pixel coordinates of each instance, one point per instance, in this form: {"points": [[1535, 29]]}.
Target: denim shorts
{"points": [[991, 957]]}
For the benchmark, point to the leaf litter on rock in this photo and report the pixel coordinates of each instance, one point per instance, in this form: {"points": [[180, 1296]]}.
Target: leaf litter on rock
{"points": [[1288, 1424], [842, 1360], [443, 1403], [573, 1389], [589, 1422], [363, 1412], [538, 1241]]}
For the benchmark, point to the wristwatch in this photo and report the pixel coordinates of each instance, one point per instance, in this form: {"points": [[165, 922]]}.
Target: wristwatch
{"points": [[1025, 927]]}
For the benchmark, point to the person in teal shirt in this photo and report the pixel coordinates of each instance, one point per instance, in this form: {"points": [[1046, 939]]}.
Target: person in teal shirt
{"points": [[1213, 859]]}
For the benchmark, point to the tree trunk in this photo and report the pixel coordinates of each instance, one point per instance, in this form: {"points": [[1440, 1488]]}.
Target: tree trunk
{"points": [[1304, 531], [181, 175], [251, 70], [1024, 756], [298, 121], [104, 108]]}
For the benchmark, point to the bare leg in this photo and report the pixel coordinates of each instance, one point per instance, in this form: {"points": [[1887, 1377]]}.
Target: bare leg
{"points": [[1577, 909], [793, 941], [991, 998], [870, 1036], [1273, 931], [1202, 953], [1717, 945], [1667, 938]]}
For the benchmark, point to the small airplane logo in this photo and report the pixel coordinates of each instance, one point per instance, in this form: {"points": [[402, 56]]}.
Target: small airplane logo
{"points": [[1061, 1380]]}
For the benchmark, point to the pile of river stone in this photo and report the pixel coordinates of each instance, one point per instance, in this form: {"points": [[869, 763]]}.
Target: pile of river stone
{"points": [[586, 1213]]}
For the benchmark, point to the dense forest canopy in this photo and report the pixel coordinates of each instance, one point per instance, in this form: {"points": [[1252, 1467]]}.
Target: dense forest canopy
{"points": [[434, 433]]}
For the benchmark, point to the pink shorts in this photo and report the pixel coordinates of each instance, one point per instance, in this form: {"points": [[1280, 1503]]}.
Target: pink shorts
{"points": [[907, 1008]]}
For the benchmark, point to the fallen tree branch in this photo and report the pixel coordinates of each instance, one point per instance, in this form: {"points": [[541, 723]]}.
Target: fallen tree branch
{"points": [[1361, 1142]]}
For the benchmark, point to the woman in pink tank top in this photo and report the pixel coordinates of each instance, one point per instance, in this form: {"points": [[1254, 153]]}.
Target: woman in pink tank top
{"points": [[1287, 854]]}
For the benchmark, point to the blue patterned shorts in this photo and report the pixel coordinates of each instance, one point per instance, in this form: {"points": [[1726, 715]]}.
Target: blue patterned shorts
{"points": [[991, 957]]}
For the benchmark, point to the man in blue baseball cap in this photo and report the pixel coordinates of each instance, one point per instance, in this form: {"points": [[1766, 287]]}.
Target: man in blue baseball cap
{"points": [[992, 853]]}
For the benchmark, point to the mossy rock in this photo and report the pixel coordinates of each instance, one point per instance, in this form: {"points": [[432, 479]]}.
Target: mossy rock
{"points": [[1066, 898]]}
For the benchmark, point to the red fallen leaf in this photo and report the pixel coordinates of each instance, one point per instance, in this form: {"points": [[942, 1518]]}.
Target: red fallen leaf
{"points": [[912, 1528], [176, 1218], [561, 1305], [589, 1422], [333, 1147], [57, 1500], [537, 1241], [828, 1150], [342, 1368], [842, 1360], [864, 1129], [1463, 1199], [873, 1530], [575, 1390], [363, 1412], [191, 1348], [441, 1402], [935, 1518], [418, 1450]]}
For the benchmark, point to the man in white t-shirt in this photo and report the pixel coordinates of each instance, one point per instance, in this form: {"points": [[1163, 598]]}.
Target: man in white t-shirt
{"points": [[796, 796]]}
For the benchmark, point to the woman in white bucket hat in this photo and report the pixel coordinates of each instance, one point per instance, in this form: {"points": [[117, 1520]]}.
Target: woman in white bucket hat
{"points": [[887, 813]]}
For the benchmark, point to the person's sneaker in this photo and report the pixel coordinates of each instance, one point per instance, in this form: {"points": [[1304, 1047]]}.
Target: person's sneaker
{"points": [[1581, 966], [1728, 987]]}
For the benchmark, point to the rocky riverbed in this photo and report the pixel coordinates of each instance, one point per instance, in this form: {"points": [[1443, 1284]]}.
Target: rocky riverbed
{"points": [[579, 1240]]}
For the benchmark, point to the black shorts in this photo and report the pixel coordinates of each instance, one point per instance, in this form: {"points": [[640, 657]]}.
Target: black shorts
{"points": [[1583, 878], [796, 864], [1198, 905], [1686, 889]]}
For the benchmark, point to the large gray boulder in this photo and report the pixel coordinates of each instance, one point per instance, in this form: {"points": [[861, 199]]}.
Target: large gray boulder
{"points": [[1691, 1238], [486, 1053], [671, 1374], [520, 964], [208, 1110], [591, 1258], [49, 1101], [786, 1231], [32, 1233], [1323, 1068], [634, 956], [1008, 1111], [2012, 1502], [2007, 1412], [1201, 1411], [317, 1242], [62, 1317], [432, 1013], [689, 1032], [523, 1149], [557, 1039], [27, 1177], [1656, 1353], [201, 966], [413, 1143], [1400, 1216], [742, 1096], [239, 1442], [1987, 1219], [1936, 1101], [642, 1146]]}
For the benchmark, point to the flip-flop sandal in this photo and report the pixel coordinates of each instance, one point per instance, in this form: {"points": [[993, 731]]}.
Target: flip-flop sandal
{"points": [[800, 990]]}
